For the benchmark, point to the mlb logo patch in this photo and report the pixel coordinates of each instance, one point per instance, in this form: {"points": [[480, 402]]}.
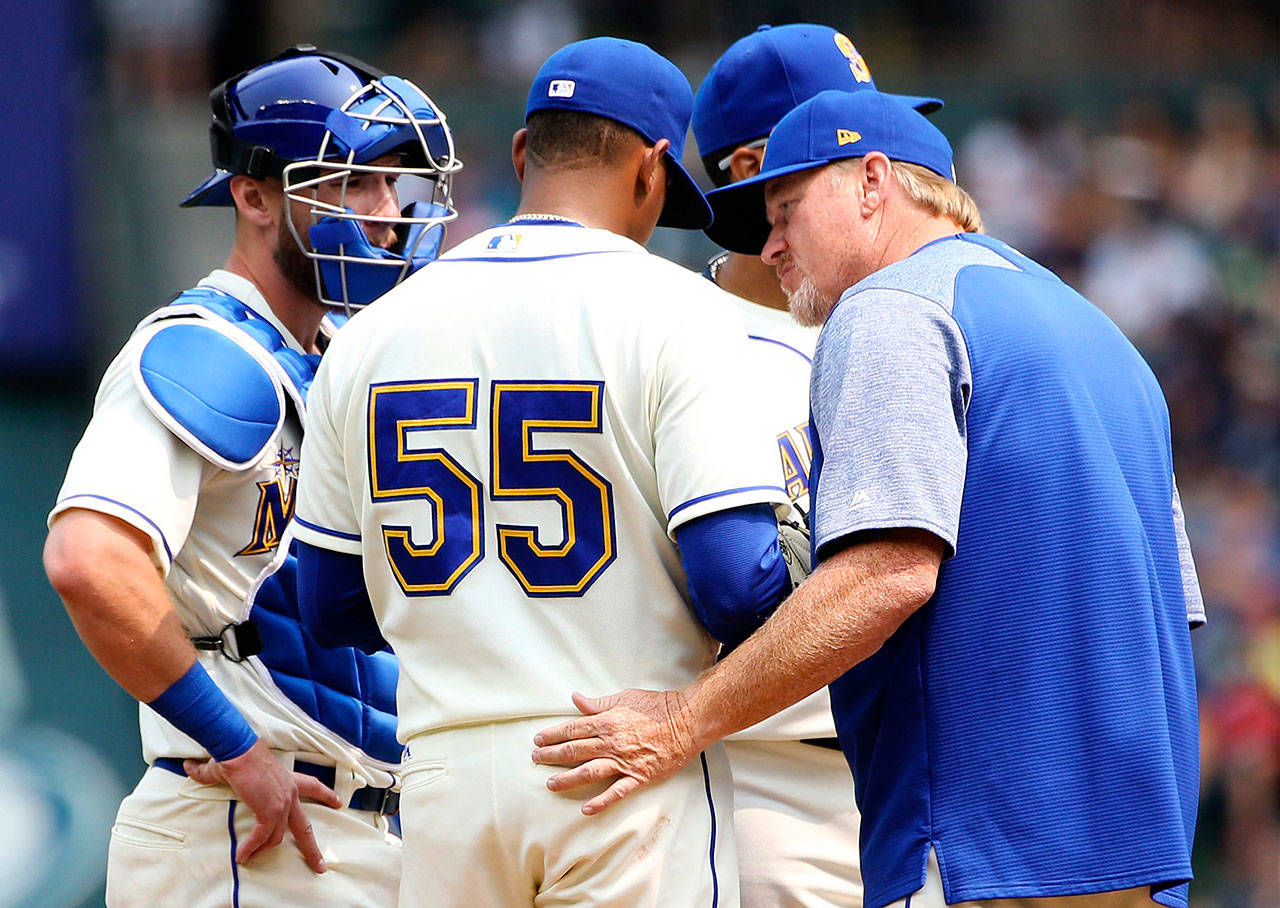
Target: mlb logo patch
{"points": [[504, 242], [561, 88]]}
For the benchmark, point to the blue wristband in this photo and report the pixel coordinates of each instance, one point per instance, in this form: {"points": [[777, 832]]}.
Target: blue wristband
{"points": [[196, 707]]}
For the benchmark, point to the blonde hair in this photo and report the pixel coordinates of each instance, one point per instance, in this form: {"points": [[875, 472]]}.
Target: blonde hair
{"points": [[935, 194], [938, 195]]}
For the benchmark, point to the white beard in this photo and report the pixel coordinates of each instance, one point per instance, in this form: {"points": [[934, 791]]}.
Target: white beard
{"points": [[807, 304]]}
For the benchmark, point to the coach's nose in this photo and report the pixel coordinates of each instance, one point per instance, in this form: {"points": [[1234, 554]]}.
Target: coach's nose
{"points": [[774, 246]]}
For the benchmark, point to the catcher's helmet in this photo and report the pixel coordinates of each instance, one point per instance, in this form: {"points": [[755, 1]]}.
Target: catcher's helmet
{"points": [[313, 117]]}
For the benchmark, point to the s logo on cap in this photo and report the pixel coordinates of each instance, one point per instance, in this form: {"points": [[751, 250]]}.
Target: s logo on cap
{"points": [[856, 63], [561, 88], [847, 137]]}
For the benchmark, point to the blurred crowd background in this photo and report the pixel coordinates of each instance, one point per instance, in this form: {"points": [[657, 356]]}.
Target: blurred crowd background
{"points": [[1131, 145]]}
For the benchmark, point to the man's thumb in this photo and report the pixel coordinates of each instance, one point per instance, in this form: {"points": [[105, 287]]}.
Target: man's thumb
{"points": [[589, 706]]}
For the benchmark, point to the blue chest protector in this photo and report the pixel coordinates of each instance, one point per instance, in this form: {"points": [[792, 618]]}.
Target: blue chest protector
{"points": [[223, 392]]}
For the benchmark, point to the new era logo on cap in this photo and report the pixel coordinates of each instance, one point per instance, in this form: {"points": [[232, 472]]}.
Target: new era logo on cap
{"points": [[847, 137], [561, 88]]}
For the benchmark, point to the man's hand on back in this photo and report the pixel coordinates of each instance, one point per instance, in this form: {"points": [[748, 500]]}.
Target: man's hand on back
{"points": [[634, 737], [274, 795]]}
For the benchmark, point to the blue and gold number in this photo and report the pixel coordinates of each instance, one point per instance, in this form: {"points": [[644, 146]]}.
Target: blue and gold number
{"points": [[523, 471], [401, 469]]}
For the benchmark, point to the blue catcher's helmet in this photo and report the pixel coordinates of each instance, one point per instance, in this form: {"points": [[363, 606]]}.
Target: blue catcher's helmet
{"points": [[311, 118]]}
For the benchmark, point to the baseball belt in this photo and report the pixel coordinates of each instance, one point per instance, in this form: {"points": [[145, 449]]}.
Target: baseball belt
{"points": [[385, 801]]}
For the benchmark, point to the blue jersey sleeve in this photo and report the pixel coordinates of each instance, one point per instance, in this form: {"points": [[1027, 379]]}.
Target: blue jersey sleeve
{"points": [[333, 602], [736, 572]]}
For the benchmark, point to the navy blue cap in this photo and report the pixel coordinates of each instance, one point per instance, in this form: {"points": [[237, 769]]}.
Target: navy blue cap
{"points": [[828, 127], [633, 84], [764, 76]]}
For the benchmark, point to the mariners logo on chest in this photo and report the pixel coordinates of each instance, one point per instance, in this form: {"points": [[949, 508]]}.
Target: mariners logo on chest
{"points": [[276, 502], [796, 451]]}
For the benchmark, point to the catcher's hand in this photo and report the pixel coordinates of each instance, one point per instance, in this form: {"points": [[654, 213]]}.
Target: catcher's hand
{"points": [[793, 539]]}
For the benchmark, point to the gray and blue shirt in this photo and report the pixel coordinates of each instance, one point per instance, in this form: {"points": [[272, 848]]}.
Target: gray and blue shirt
{"points": [[1035, 722]]}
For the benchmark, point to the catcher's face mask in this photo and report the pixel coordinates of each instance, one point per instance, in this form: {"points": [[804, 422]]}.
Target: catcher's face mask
{"points": [[387, 127]]}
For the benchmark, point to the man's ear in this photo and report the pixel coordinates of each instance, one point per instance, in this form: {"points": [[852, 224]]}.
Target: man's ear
{"points": [[519, 145], [876, 174], [653, 170], [745, 163], [257, 201]]}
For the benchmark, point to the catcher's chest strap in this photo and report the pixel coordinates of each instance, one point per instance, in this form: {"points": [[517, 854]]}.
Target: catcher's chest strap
{"points": [[235, 641]]}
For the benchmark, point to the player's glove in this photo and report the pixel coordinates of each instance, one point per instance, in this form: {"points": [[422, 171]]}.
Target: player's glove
{"points": [[793, 539]]}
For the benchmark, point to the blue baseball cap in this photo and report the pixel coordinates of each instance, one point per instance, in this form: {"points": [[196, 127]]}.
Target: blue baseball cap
{"points": [[828, 127], [631, 83], [764, 76]]}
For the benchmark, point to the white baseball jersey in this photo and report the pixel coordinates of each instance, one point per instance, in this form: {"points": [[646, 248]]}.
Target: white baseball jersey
{"points": [[510, 437], [214, 533], [781, 355]]}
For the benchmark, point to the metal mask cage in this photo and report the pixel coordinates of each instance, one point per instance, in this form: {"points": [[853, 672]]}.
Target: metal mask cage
{"points": [[431, 170]]}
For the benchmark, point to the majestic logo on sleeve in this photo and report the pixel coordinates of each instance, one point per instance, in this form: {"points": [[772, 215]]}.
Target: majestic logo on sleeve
{"points": [[275, 505]]}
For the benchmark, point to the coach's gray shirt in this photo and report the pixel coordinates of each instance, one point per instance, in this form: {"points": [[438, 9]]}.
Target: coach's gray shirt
{"points": [[890, 388]]}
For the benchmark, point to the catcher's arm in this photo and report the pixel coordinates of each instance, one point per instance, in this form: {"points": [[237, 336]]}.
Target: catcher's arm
{"points": [[103, 570]]}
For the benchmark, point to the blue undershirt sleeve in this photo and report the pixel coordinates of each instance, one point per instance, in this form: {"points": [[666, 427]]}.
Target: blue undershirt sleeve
{"points": [[736, 572], [196, 707], [333, 602]]}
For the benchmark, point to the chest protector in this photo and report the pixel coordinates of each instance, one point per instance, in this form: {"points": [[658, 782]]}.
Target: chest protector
{"points": [[223, 380]]}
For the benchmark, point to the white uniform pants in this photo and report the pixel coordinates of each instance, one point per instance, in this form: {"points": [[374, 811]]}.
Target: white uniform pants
{"points": [[482, 829], [797, 825], [174, 843]]}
